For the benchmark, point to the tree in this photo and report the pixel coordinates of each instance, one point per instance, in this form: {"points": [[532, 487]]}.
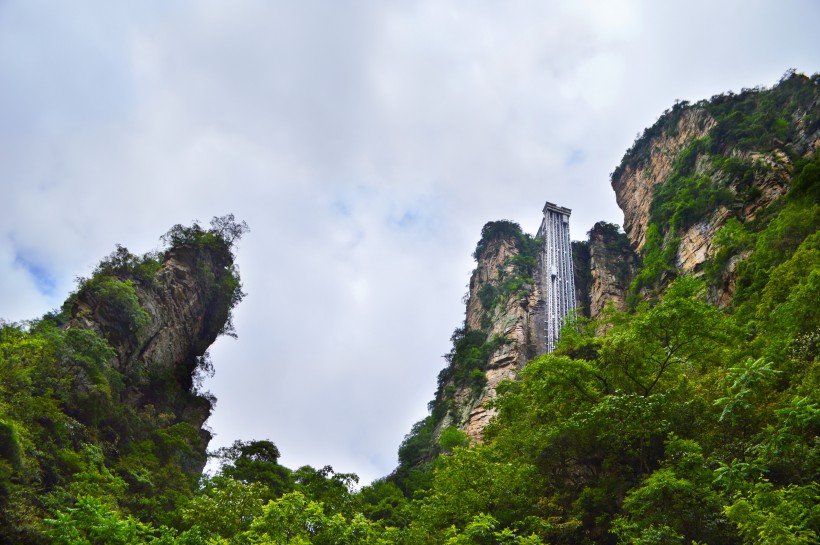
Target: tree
{"points": [[256, 462]]}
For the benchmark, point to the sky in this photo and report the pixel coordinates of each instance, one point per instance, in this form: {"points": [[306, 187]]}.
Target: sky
{"points": [[364, 143]]}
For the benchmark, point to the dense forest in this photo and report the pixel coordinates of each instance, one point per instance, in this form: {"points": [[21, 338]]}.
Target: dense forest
{"points": [[673, 421]]}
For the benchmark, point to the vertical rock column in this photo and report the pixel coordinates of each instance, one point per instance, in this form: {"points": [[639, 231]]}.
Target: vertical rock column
{"points": [[557, 280]]}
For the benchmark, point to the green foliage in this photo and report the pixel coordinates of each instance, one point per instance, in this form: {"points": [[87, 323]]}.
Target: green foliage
{"points": [[639, 152], [117, 302], [806, 184], [784, 254], [297, 519], [256, 462], [755, 119], [729, 241], [746, 380], [583, 273], [760, 118], [515, 276], [223, 234], [494, 231], [418, 445], [773, 516], [74, 450], [224, 506], [121, 262], [647, 432], [451, 438], [659, 255], [91, 522], [677, 499], [383, 501], [332, 489], [687, 196], [487, 295], [474, 481]]}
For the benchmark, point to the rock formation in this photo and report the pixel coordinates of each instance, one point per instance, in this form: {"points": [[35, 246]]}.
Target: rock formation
{"points": [[700, 165], [509, 321], [160, 314], [742, 148], [635, 184], [612, 265]]}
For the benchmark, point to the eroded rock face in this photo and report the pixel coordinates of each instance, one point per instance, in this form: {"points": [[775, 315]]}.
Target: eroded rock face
{"points": [[521, 317], [634, 186], [696, 241], [511, 321], [490, 266], [606, 265], [612, 266], [514, 323], [651, 162], [180, 312]]}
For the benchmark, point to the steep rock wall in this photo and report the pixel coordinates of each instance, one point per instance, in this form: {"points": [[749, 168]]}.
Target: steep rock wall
{"points": [[603, 266], [732, 156], [508, 325], [612, 265], [635, 184], [160, 337], [583, 276]]}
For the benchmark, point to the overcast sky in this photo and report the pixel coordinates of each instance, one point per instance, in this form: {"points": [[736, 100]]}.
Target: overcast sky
{"points": [[365, 144]]}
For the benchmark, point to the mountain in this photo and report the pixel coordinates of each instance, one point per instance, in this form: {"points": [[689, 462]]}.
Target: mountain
{"points": [[695, 336], [727, 160], [102, 395]]}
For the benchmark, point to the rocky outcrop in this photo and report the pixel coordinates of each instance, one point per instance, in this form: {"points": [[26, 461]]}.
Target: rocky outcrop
{"points": [[612, 265], [634, 184], [696, 242], [506, 321], [728, 167], [583, 276], [513, 322], [731, 156], [494, 262], [160, 325]]}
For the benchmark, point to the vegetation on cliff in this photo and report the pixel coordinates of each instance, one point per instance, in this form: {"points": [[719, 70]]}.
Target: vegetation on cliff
{"points": [[472, 348], [87, 421], [725, 168], [680, 423]]}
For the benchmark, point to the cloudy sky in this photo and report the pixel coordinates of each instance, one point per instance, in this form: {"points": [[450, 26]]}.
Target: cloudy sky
{"points": [[365, 144]]}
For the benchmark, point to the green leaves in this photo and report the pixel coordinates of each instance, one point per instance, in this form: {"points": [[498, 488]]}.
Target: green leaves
{"points": [[91, 522], [778, 516], [224, 506], [745, 380]]}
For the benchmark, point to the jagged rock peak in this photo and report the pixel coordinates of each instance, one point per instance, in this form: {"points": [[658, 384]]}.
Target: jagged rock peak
{"points": [[704, 164], [161, 311]]}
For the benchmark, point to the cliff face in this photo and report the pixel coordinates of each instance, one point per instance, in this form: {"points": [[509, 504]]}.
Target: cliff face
{"points": [[161, 326], [635, 184], [506, 322], [612, 266], [108, 402], [701, 165], [583, 276], [506, 309]]}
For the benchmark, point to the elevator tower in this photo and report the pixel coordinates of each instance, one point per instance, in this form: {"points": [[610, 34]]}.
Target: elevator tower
{"points": [[557, 280]]}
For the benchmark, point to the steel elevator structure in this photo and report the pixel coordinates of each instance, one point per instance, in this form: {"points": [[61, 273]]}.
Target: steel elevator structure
{"points": [[557, 279]]}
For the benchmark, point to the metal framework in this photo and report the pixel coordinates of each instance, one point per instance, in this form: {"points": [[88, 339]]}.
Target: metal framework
{"points": [[557, 279]]}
